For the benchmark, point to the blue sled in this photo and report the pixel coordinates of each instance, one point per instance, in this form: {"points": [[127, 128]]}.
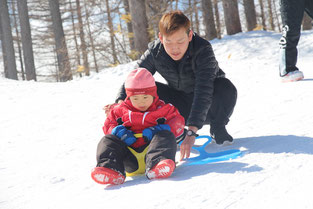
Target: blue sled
{"points": [[205, 158]]}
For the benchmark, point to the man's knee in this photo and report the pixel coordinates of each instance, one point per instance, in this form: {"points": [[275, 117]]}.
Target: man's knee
{"points": [[225, 86]]}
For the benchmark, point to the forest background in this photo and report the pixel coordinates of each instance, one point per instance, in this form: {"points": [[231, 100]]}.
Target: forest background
{"points": [[72, 38]]}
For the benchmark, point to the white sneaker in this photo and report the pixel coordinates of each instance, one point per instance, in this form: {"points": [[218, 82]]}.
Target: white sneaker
{"points": [[293, 76]]}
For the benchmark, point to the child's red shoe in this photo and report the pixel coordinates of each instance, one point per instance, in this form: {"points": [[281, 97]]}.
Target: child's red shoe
{"points": [[104, 175], [163, 169]]}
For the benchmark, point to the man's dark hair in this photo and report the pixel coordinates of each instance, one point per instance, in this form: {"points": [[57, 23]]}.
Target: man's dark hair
{"points": [[172, 22]]}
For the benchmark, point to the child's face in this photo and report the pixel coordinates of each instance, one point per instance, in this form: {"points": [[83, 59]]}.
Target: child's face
{"points": [[142, 101]]}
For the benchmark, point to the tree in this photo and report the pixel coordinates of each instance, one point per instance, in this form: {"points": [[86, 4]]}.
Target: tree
{"points": [[18, 40], [155, 11], [250, 14], [140, 25], [82, 38], [276, 16], [111, 29], [231, 16], [60, 44], [307, 22], [2, 47], [8, 48], [129, 25], [195, 6], [26, 40], [270, 14], [75, 35], [217, 19], [208, 19], [91, 38], [262, 14]]}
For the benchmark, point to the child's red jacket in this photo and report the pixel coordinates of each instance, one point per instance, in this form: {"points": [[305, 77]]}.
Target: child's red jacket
{"points": [[126, 114]]}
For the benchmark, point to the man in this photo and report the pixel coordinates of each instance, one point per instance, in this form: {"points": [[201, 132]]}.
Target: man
{"points": [[196, 84], [292, 12]]}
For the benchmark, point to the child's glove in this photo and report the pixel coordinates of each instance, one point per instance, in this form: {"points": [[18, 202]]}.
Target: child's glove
{"points": [[148, 133], [124, 134]]}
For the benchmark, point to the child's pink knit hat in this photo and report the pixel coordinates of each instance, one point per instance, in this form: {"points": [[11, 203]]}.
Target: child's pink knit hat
{"points": [[140, 81]]}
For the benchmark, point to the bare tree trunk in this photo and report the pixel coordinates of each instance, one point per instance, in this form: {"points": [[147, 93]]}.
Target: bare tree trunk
{"points": [[190, 14], [250, 14], [91, 39], [307, 22], [195, 6], [208, 19], [231, 16], [110, 24], [82, 39], [140, 25], [217, 19], [276, 16], [8, 48], [262, 15], [26, 40], [18, 41], [60, 44], [2, 47], [129, 26], [271, 16], [176, 6], [75, 34]]}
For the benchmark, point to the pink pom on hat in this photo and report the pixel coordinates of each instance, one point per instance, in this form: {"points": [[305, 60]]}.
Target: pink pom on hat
{"points": [[140, 81]]}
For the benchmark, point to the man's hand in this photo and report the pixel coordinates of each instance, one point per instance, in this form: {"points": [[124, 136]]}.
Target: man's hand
{"points": [[185, 147], [187, 144], [108, 107]]}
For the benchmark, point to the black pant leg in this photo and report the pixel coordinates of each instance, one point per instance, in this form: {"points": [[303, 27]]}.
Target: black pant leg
{"points": [[179, 99], [223, 102], [309, 7], [113, 153], [163, 146], [292, 12]]}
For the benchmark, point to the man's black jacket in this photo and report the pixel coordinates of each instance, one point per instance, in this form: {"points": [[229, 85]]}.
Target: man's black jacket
{"points": [[194, 73]]}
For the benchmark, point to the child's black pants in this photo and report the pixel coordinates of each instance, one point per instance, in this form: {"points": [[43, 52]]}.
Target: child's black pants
{"points": [[113, 153]]}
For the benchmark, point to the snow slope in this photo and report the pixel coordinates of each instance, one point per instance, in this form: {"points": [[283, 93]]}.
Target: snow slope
{"points": [[49, 133]]}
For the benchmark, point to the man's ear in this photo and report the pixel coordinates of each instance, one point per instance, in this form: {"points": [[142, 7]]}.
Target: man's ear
{"points": [[161, 37], [190, 35]]}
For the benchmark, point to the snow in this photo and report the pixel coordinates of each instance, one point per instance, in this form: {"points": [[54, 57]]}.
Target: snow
{"points": [[49, 133]]}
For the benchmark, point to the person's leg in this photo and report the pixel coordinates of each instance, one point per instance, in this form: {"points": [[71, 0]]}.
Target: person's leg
{"points": [[179, 99], [111, 152], [223, 104], [292, 14], [309, 8], [160, 157]]}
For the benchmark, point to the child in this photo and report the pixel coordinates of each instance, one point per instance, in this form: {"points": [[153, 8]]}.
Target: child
{"points": [[141, 112]]}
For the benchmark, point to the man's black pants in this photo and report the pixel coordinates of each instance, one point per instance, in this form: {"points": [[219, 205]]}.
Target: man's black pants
{"points": [[223, 102], [292, 12]]}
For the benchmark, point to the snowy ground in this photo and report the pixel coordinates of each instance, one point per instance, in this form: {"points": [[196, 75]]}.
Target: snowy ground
{"points": [[49, 133]]}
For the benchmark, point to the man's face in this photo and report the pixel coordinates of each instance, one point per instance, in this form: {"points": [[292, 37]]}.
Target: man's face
{"points": [[177, 43]]}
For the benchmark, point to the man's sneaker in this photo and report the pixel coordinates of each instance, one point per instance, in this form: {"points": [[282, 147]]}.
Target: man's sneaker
{"points": [[104, 175], [163, 169], [220, 136], [293, 76]]}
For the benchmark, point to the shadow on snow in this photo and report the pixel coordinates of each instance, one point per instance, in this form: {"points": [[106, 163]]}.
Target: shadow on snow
{"points": [[276, 144]]}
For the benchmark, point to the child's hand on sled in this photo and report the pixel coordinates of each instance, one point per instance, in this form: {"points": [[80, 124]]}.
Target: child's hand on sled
{"points": [[148, 133], [124, 134]]}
